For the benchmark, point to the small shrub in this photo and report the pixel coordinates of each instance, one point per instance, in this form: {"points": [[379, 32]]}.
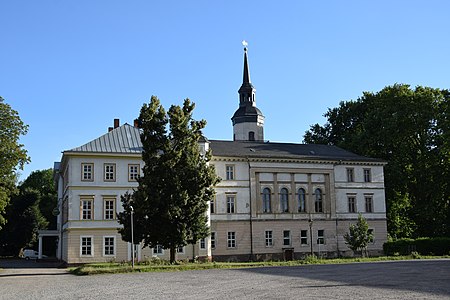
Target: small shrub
{"points": [[416, 255]]}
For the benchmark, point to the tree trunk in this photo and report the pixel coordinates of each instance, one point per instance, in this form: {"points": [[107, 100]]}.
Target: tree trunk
{"points": [[172, 254]]}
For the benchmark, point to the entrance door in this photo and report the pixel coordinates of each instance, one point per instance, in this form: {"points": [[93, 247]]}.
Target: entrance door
{"points": [[288, 254]]}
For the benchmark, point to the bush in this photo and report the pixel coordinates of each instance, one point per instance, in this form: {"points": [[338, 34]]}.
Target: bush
{"points": [[422, 246]]}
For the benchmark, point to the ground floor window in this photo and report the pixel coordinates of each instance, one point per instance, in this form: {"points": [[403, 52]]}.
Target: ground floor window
{"points": [[203, 244], [321, 236], [108, 245], [286, 238], [158, 250], [213, 240], [303, 237], [86, 246], [180, 249], [231, 239], [269, 238]]}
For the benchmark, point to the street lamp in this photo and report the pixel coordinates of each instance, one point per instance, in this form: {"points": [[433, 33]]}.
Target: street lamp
{"points": [[311, 234], [132, 236]]}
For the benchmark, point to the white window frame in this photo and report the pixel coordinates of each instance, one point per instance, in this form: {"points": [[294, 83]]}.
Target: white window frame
{"points": [[133, 172], [113, 246], [231, 239], [230, 172], [91, 245], [180, 250], [303, 239], [158, 250], [288, 238], [231, 203], [268, 237], [108, 175], [87, 172], [202, 244], [213, 240], [105, 209], [318, 200], [321, 238], [212, 205], [90, 209]]}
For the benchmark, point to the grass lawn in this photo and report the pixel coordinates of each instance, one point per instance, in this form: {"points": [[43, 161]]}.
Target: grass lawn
{"points": [[157, 265]]}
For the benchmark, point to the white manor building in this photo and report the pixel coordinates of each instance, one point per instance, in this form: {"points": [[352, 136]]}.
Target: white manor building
{"points": [[275, 200]]}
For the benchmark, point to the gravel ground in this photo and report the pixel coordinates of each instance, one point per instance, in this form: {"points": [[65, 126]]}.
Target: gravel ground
{"points": [[427, 279]]}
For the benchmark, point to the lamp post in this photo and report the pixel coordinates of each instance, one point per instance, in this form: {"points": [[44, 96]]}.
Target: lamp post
{"points": [[132, 236], [311, 234]]}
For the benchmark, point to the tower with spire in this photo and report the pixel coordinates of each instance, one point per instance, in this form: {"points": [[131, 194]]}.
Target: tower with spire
{"points": [[248, 121]]}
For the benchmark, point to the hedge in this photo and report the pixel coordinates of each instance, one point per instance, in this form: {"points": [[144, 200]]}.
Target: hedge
{"points": [[424, 246]]}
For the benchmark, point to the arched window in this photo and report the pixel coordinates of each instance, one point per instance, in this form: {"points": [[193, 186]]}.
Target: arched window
{"points": [[251, 136], [318, 203], [266, 200], [284, 203], [301, 200]]}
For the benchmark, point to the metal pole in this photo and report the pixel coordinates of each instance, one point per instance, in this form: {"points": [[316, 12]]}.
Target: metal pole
{"points": [[311, 234], [132, 237]]}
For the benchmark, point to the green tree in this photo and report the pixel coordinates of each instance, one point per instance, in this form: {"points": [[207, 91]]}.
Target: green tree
{"points": [[12, 154], [24, 221], [410, 129], [359, 237], [170, 204], [42, 182]]}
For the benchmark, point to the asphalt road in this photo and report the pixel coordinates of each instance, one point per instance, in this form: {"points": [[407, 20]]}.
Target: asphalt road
{"points": [[418, 279]]}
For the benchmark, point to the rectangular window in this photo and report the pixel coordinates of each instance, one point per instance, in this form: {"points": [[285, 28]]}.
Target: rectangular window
{"points": [[230, 172], [212, 205], [86, 246], [133, 172], [231, 239], [86, 209], [367, 175], [180, 249], [87, 172], [321, 236], [109, 172], [350, 175], [109, 212], [231, 204], [203, 244], [269, 238], [286, 238], [369, 204], [158, 250], [108, 245], [213, 240], [351, 204], [303, 237]]}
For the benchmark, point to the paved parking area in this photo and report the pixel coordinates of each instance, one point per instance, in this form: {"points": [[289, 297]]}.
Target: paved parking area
{"points": [[419, 279]]}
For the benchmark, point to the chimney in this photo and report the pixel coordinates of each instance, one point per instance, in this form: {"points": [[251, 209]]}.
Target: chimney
{"points": [[110, 129], [136, 123], [116, 123]]}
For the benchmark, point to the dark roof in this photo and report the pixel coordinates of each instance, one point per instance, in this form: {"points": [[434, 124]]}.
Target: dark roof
{"points": [[247, 110], [284, 150], [123, 139]]}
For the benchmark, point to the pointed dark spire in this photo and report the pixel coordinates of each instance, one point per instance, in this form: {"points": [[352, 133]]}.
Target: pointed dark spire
{"points": [[246, 79]]}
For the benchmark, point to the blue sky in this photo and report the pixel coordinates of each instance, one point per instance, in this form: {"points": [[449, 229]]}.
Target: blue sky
{"points": [[70, 67]]}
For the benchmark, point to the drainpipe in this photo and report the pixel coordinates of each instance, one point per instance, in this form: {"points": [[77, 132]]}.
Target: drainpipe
{"points": [[251, 221]]}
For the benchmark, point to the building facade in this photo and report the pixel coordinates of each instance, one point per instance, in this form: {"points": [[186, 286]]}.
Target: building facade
{"points": [[275, 200]]}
